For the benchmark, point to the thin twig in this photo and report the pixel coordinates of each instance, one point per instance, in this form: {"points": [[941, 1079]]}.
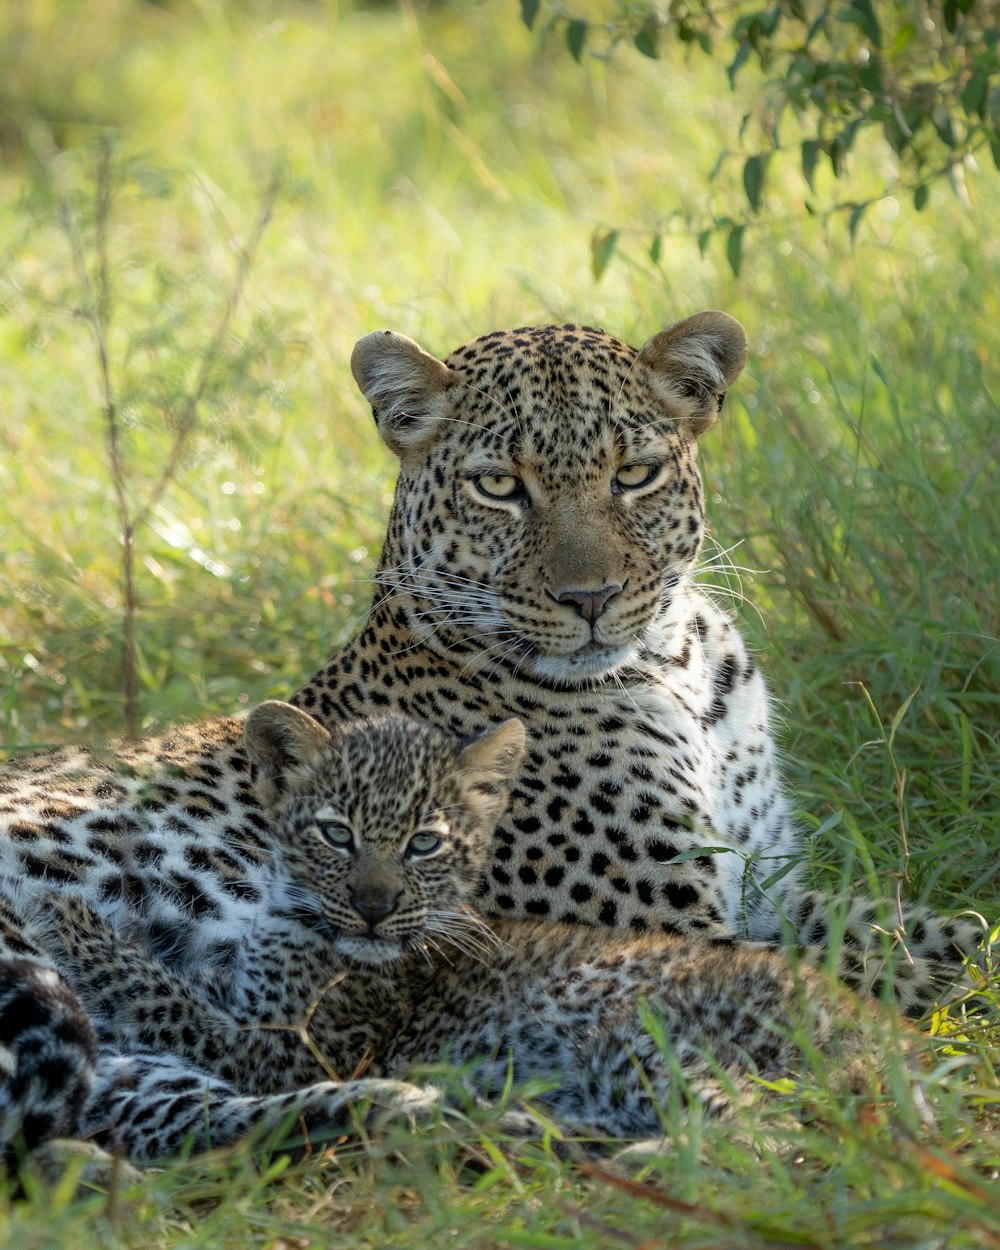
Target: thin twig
{"points": [[97, 313], [192, 401]]}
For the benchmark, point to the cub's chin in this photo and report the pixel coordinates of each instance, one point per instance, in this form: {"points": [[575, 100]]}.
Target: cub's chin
{"points": [[373, 952]]}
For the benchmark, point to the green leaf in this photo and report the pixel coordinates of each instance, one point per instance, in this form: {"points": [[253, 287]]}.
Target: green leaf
{"points": [[734, 249], [602, 248], [974, 93], [648, 41], [777, 876], [879, 371], [753, 179], [870, 75], [703, 240], [720, 160], [529, 11], [841, 145], [655, 248], [576, 38], [857, 212], [738, 61], [831, 822], [897, 720], [696, 852], [862, 14], [810, 155], [921, 196], [941, 121]]}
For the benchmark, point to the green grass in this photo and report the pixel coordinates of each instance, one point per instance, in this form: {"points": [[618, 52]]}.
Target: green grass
{"points": [[442, 175]]}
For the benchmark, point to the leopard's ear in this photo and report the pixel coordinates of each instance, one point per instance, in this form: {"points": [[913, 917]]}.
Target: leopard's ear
{"points": [[692, 365], [281, 740], [405, 386], [489, 763]]}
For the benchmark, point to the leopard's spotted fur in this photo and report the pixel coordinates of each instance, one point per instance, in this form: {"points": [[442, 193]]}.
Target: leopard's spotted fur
{"points": [[538, 563], [384, 830]]}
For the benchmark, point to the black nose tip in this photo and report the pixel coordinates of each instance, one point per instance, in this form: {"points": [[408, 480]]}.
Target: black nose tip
{"points": [[374, 908], [590, 603]]}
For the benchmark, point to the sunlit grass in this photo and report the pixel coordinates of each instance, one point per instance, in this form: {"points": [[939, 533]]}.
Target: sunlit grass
{"points": [[442, 175]]}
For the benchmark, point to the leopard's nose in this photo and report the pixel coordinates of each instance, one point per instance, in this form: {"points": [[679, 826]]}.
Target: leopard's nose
{"points": [[374, 907], [590, 603]]}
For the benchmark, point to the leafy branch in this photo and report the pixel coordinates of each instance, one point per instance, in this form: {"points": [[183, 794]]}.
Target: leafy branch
{"points": [[926, 77]]}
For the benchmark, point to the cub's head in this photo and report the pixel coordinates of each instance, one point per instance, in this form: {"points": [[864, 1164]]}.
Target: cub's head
{"points": [[549, 505], [386, 824]]}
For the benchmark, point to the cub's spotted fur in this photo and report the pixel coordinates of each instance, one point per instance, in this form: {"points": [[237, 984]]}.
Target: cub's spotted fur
{"points": [[382, 832], [538, 564], [167, 836]]}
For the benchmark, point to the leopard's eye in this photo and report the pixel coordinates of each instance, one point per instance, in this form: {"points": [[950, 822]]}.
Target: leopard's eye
{"points": [[423, 844], [333, 831], [631, 476], [499, 485]]}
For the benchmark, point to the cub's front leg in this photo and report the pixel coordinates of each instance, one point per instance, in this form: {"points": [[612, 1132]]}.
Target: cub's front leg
{"points": [[142, 1002]]}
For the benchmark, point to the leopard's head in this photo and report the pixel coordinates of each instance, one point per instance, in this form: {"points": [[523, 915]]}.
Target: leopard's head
{"points": [[383, 825], [549, 504]]}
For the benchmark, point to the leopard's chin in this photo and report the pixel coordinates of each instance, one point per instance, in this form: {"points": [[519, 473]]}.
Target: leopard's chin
{"points": [[591, 662]]}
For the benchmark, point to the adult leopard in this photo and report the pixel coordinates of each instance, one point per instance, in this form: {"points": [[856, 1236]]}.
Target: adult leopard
{"points": [[538, 563]]}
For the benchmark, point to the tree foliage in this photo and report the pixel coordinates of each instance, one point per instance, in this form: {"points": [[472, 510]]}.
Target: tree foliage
{"points": [[924, 74]]}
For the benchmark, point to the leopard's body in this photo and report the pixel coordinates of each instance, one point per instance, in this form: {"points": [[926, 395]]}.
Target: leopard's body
{"points": [[383, 831], [538, 563]]}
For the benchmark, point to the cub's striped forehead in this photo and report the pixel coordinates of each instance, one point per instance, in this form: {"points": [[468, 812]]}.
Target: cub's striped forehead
{"points": [[399, 749]]}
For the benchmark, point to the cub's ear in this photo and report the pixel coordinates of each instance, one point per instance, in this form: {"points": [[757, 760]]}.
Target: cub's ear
{"points": [[405, 386], [281, 740], [489, 763], [693, 363]]}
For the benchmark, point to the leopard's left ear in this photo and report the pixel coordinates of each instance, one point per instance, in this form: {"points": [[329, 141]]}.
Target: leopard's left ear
{"points": [[280, 741], [693, 364], [405, 386], [489, 763]]}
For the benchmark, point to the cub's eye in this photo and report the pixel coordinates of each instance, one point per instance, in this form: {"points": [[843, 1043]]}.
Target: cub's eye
{"points": [[423, 844], [499, 485], [335, 834], [631, 476]]}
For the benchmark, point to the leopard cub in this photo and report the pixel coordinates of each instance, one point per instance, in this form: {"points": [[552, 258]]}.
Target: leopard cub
{"points": [[380, 833]]}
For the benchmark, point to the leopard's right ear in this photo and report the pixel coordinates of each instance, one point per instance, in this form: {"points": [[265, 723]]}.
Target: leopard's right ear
{"points": [[280, 741], [406, 387]]}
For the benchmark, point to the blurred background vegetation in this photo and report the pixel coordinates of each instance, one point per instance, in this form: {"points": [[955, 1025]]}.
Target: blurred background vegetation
{"points": [[206, 202], [215, 199]]}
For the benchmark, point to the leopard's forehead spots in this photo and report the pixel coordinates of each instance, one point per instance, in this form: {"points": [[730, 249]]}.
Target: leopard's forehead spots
{"points": [[539, 346], [559, 399]]}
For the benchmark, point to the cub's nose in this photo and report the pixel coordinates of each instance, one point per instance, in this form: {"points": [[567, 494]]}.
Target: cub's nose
{"points": [[590, 603], [374, 907]]}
